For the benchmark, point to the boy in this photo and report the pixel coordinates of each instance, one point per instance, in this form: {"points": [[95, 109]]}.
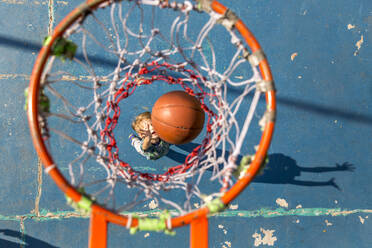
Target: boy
{"points": [[148, 143]]}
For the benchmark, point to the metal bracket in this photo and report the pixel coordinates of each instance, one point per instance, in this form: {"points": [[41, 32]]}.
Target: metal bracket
{"points": [[229, 19], [205, 5], [269, 116], [256, 57], [265, 85]]}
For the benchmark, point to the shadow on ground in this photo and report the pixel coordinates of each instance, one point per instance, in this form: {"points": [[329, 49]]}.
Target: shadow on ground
{"points": [[24, 240], [281, 169]]}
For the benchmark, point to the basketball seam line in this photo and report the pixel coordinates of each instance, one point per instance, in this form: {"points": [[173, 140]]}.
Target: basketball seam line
{"points": [[180, 105], [175, 126]]}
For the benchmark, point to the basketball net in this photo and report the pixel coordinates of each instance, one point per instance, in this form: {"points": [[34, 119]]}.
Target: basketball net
{"points": [[98, 58]]}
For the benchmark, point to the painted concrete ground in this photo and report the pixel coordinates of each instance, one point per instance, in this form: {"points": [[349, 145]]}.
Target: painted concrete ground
{"points": [[316, 191]]}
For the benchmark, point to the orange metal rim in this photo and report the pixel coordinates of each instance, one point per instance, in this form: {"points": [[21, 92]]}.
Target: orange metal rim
{"points": [[70, 191]]}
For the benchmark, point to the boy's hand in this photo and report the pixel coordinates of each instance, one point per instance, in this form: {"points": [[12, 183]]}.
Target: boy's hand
{"points": [[146, 143], [146, 136], [146, 132]]}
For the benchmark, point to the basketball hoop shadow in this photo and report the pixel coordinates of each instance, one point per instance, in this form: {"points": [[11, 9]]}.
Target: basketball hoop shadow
{"points": [[281, 169]]}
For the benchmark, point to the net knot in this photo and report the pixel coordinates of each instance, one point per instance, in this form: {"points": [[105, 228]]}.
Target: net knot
{"points": [[170, 171], [171, 80], [155, 31], [144, 70], [209, 128], [124, 95], [187, 7], [190, 91]]}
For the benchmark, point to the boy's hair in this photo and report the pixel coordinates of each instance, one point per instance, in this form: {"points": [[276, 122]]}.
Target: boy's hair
{"points": [[139, 119]]}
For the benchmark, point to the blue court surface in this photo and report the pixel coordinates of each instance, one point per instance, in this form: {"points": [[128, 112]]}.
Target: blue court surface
{"points": [[316, 188]]}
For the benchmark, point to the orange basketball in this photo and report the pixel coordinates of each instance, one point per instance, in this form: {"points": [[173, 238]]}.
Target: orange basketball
{"points": [[177, 117]]}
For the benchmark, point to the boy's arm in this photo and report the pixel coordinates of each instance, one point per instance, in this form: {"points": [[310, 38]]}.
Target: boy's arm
{"points": [[159, 151], [136, 143], [146, 143]]}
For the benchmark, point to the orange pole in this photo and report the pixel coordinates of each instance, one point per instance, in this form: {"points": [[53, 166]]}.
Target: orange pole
{"points": [[98, 230], [199, 232]]}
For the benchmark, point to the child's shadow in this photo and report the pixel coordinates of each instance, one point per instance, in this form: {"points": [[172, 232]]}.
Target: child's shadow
{"points": [[280, 169]]}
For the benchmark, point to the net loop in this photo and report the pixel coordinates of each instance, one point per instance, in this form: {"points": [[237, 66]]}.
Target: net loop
{"points": [[187, 7]]}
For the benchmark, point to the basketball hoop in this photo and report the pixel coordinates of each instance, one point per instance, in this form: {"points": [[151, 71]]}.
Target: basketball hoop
{"points": [[75, 102]]}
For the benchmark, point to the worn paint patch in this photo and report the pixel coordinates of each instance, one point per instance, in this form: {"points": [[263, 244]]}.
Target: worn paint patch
{"points": [[62, 3], [270, 213], [223, 229], [328, 223], [233, 207], [39, 187], [19, 2], [361, 219], [13, 1], [46, 215], [266, 237], [282, 202], [64, 77], [359, 45], [227, 244], [14, 76], [293, 56], [304, 12], [51, 16], [23, 232], [153, 204], [350, 26]]}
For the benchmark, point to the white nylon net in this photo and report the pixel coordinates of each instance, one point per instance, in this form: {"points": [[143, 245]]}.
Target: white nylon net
{"points": [[135, 44]]}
